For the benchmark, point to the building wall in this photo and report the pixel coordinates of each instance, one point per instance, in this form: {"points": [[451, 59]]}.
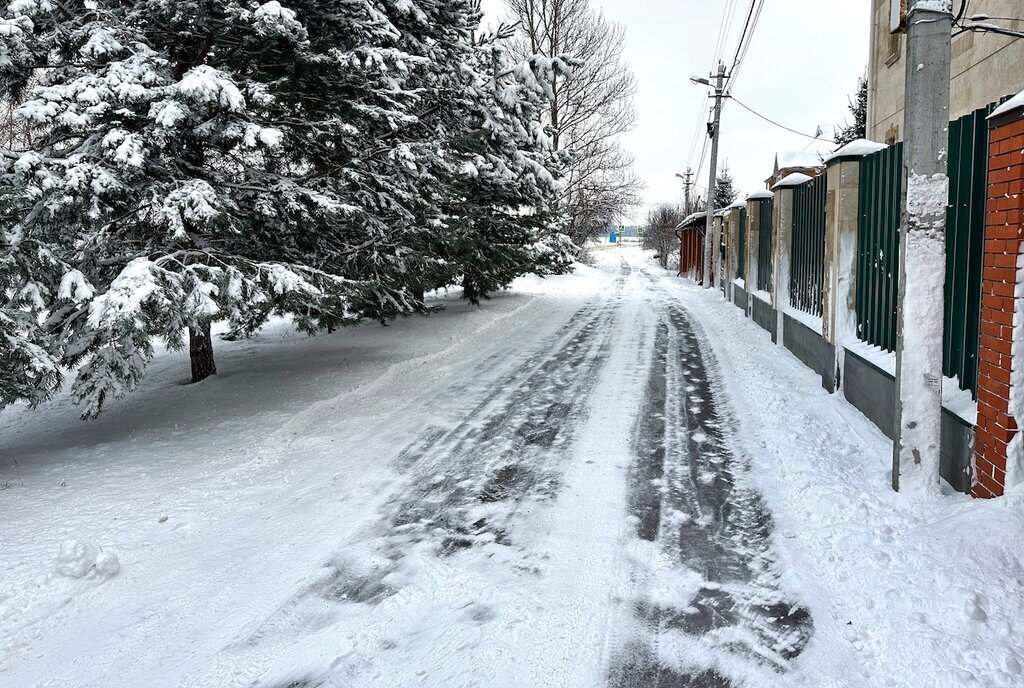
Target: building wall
{"points": [[984, 67]]}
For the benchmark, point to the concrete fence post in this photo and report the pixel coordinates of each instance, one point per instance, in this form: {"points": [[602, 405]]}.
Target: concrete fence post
{"points": [[842, 210], [998, 448], [720, 231], [729, 265], [782, 235]]}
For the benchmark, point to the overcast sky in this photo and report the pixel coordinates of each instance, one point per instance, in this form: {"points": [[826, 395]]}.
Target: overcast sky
{"points": [[802, 66]]}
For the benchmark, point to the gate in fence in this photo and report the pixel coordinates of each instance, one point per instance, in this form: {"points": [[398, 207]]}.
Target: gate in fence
{"points": [[878, 246], [808, 252]]}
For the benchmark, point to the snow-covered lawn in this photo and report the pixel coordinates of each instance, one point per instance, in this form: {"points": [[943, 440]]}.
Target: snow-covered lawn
{"points": [[447, 501]]}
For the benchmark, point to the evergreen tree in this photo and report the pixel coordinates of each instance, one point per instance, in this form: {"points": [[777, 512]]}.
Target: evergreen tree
{"points": [[213, 160], [725, 189], [858, 129]]}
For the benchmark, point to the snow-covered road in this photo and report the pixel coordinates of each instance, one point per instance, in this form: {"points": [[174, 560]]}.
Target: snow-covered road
{"points": [[566, 487]]}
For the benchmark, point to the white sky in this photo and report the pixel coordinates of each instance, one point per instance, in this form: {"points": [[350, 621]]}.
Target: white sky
{"points": [[801, 67]]}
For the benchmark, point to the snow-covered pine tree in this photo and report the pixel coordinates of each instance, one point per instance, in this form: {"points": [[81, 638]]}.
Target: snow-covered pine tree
{"points": [[500, 220], [858, 107], [201, 161], [725, 189], [166, 180]]}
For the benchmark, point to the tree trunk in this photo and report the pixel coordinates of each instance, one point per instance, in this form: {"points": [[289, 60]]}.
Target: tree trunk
{"points": [[200, 350]]}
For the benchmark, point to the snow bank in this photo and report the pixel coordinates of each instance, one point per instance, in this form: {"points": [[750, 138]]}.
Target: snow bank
{"points": [[77, 559], [1015, 450]]}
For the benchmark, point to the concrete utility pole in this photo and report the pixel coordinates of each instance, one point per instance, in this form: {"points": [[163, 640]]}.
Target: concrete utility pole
{"points": [[922, 260], [711, 237], [687, 184]]}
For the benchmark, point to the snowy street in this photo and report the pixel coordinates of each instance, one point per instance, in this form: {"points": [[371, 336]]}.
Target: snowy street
{"points": [[609, 478]]}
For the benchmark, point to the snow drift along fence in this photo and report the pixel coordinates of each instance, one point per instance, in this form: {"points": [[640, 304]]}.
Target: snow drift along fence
{"points": [[878, 246], [764, 246], [808, 252], [741, 246]]}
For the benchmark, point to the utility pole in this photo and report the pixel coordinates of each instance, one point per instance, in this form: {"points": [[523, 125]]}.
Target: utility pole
{"points": [[687, 183], [711, 237], [922, 259]]}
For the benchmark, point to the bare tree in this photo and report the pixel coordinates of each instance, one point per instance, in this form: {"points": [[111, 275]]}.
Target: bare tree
{"points": [[590, 110], [660, 233]]}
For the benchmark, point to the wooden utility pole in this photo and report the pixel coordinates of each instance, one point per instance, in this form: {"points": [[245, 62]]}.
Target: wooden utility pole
{"points": [[922, 259]]}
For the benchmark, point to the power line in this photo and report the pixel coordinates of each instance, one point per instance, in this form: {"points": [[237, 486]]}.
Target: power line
{"points": [[771, 121], [743, 35], [742, 55]]}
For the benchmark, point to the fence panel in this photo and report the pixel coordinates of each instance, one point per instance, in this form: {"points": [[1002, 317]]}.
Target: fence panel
{"points": [[764, 246], [808, 251], [741, 246], [878, 246], [965, 238]]}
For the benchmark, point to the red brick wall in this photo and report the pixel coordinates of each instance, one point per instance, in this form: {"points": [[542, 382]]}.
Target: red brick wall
{"points": [[1004, 231]]}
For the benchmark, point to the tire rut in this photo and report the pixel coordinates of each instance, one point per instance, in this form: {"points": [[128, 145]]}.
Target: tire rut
{"points": [[690, 502], [465, 485]]}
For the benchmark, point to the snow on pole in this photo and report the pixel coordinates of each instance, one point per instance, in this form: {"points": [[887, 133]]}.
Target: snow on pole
{"points": [[922, 261]]}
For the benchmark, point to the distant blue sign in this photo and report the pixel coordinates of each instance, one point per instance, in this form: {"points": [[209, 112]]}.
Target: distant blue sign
{"points": [[612, 238]]}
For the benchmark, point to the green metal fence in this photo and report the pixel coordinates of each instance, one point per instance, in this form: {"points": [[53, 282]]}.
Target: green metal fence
{"points": [[878, 246], [764, 245], [741, 246], [808, 252], [965, 240]]}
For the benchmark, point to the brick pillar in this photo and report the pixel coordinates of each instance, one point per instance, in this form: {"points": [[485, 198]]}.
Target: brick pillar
{"points": [[997, 446]]}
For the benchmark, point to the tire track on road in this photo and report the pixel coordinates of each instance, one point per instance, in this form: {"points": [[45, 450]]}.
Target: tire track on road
{"points": [[709, 599]]}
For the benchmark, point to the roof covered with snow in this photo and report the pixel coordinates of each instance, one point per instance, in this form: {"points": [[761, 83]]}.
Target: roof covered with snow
{"points": [[792, 180], [760, 194], [809, 157], [856, 148], [691, 220]]}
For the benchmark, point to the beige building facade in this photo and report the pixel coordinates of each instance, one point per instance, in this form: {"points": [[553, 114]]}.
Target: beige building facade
{"points": [[984, 66]]}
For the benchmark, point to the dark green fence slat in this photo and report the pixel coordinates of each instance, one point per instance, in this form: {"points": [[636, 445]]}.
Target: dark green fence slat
{"points": [[741, 245], [764, 246], [808, 248]]}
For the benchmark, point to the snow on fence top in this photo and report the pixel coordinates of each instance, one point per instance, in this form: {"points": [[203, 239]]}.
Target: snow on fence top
{"points": [[794, 179], [742, 203], [856, 148], [759, 195], [691, 220], [1013, 103]]}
